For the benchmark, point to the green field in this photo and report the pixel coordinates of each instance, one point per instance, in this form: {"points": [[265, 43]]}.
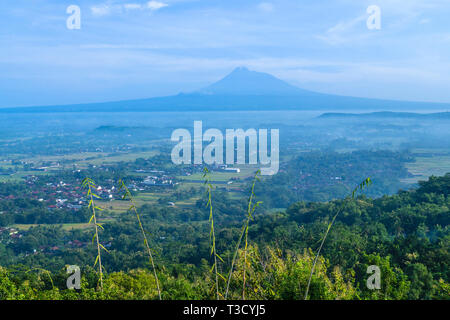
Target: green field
{"points": [[221, 176], [65, 226], [113, 158], [82, 160], [428, 162]]}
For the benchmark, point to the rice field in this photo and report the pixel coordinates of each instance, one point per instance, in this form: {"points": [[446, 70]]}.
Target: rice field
{"points": [[428, 163], [65, 226]]}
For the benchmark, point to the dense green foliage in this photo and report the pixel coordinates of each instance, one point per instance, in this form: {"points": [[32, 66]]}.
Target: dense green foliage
{"points": [[322, 176], [406, 235]]}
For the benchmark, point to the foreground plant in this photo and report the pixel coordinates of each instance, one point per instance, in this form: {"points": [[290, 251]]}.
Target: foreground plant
{"points": [[89, 184], [360, 187], [212, 235], [49, 275], [244, 234], [127, 195]]}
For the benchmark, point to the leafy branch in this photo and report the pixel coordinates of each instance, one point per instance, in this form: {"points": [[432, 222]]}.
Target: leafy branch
{"points": [[244, 233], [361, 186], [212, 235], [89, 184], [127, 195], [44, 271]]}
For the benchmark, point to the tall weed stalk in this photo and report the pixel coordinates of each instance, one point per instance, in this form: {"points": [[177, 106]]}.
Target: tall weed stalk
{"points": [[49, 275], [127, 196], [212, 235], [361, 186], [89, 184], [244, 234]]}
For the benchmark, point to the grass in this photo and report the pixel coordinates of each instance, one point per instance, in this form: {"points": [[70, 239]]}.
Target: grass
{"points": [[244, 234], [20, 175], [67, 160], [428, 162], [187, 203], [127, 196], [66, 157], [13, 178], [220, 176], [114, 206], [65, 226], [114, 158], [360, 187], [215, 176], [212, 233], [81, 158], [90, 185], [150, 197], [117, 206]]}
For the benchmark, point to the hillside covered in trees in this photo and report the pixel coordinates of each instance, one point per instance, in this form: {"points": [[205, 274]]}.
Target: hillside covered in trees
{"points": [[406, 235]]}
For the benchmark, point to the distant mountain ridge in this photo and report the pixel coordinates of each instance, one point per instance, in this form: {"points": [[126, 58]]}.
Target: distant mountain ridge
{"points": [[245, 82], [241, 90], [386, 114]]}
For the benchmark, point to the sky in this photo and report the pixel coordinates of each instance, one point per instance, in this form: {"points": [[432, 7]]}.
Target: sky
{"points": [[135, 49]]}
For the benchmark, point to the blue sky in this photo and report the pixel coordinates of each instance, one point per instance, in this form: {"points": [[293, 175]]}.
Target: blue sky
{"points": [[139, 49]]}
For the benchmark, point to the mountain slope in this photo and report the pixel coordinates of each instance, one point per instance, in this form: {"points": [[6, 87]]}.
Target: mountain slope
{"points": [[241, 90], [245, 82], [387, 115]]}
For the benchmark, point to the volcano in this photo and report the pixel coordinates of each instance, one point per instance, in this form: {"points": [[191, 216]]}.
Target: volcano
{"points": [[242, 90]]}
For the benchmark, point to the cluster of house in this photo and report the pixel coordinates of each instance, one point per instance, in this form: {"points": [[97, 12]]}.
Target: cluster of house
{"points": [[12, 232], [224, 168], [163, 180], [59, 195]]}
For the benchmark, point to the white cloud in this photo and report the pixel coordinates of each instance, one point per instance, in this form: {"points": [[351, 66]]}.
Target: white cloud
{"points": [[106, 9], [132, 6], [155, 5], [345, 31], [102, 10], [265, 6]]}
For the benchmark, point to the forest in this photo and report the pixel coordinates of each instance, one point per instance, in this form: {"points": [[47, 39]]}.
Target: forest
{"points": [[406, 235]]}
